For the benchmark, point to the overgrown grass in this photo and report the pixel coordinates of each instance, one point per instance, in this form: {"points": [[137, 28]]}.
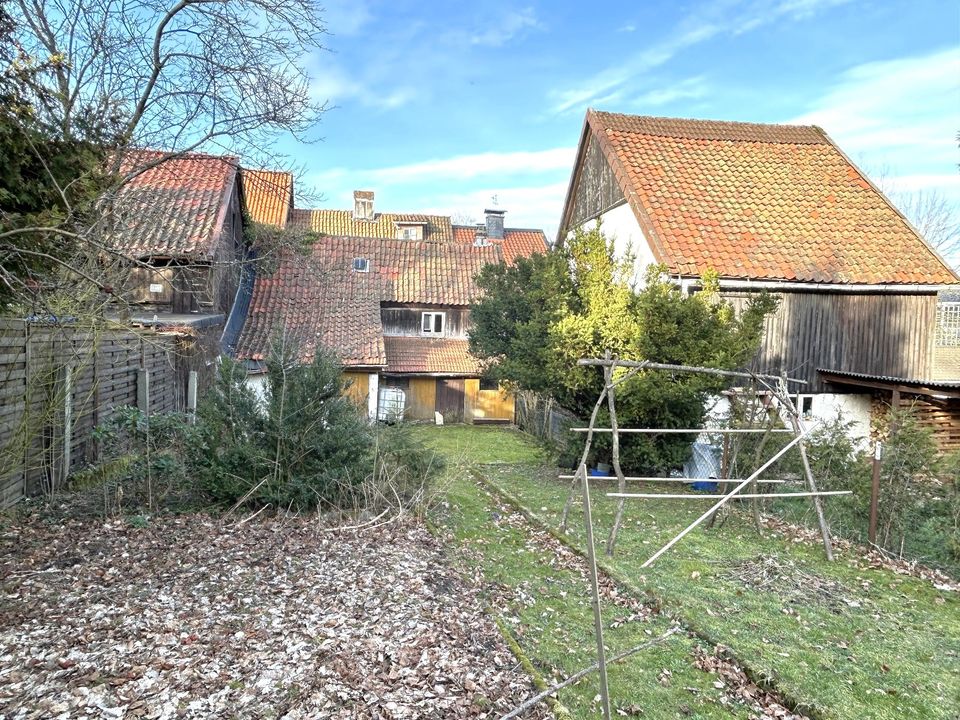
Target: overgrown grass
{"points": [[842, 640]]}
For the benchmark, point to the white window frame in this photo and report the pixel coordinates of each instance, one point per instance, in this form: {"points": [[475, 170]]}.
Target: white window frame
{"points": [[433, 314], [361, 264]]}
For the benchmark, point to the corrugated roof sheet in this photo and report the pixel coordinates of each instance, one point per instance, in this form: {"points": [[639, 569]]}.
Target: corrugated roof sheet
{"points": [[769, 202], [175, 208]]}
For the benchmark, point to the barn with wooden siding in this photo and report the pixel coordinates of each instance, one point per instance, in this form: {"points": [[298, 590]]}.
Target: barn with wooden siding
{"points": [[776, 208], [180, 219], [392, 303]]}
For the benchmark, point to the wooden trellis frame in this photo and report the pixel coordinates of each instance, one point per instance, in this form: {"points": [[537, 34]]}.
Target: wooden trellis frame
{"points": [[776, 385]]}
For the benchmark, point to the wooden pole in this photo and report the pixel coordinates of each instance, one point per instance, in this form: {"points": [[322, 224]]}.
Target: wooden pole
{"points": [[875, 492], [798, 427], [621, 481], [727, 498], [595, 588]]}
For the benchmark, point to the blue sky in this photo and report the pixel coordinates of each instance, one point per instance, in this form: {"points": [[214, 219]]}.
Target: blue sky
{"points": [[440, 106]]}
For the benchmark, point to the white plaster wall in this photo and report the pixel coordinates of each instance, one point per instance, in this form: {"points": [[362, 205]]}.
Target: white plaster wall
{"points": [[620, 225], [854, 408], [258, 383]]}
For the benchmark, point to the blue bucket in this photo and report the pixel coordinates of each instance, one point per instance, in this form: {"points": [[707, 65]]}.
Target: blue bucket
{"points": [[704, 486]]}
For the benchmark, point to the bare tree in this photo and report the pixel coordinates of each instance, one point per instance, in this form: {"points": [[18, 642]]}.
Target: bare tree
{"points": [[223, 76], [934, 216], [177, 75]]}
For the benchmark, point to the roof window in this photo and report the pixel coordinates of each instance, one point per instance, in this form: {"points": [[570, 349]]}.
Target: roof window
{"points": [[361, 264]]}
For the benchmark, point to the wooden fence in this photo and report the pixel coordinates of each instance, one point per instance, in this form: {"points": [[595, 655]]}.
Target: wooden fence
{"points": [[58, 382]]}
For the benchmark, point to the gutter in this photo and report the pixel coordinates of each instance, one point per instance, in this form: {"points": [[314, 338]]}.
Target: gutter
{"points": [[848, 288]]}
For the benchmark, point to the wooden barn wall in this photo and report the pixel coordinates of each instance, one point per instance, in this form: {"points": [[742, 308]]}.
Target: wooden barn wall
{"points": [[596, 189], [226, 271], [406, 320], [872, 334], [37, 412], [421, 398], [486, 405], [358, 386]]}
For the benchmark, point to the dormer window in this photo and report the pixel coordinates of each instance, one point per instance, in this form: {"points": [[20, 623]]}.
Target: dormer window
{"points": [[410, 230], [361, 264], [433, 323]]}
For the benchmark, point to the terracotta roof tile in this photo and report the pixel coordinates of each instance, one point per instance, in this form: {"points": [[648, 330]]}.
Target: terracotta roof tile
{"points": [[318, 299], [268, 195], [515, 243], [771, 202], [429, 355], [342, 222], [174, 209]]}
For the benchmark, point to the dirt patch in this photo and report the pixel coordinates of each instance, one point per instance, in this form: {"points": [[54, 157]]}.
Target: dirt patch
{"points": [[192, 617]]}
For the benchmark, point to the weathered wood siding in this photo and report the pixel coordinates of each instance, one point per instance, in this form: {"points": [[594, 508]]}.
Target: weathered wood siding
{"points": [[421, 398], [103, 374], [406, 320], [194, 286], [486, 405], [595, 189], [872, 334], [358, 387]]}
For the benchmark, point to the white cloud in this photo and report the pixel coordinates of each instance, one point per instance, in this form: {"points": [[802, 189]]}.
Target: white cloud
{"points": [[345, 17], [461, 167], [532, 206], [330, 83], [720, 17], [627, 28], [506, 27], [900, 116], [690, 88]]}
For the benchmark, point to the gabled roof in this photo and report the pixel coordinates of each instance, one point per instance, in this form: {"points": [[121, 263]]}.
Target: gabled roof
{"points": [[435, 356], [268, 196], [173, 209], [319, 299], [383, 225], [516, 242], [766, 202]]}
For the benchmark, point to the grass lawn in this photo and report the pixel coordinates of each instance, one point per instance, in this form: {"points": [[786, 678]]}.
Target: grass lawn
{"points": [[841, 640]]}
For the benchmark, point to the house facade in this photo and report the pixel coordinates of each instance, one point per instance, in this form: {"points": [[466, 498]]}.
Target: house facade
{"points": [[774, 208], [389, 295], [180, 220]]}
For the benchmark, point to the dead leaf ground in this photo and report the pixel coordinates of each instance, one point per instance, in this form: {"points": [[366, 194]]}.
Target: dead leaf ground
{"points": [[192, 617]]}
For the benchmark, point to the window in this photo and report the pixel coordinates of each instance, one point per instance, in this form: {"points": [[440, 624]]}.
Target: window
{"points": [[489, 384], [805, 406], [432, 323], [410, 231], [947, 332], [361, 265]]}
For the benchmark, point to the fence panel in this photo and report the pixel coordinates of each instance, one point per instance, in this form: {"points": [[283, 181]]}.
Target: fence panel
{"points": [[57, 383]]}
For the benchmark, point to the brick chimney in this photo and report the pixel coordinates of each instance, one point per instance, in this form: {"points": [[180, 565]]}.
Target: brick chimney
{"points": [[363, 204], [495, 223]]}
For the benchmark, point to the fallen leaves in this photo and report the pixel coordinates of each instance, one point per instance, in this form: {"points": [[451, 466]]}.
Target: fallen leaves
{"points": [[192, 618]]}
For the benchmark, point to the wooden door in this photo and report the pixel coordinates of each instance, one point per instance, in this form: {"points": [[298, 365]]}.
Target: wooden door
{"points": [[450, 399]]}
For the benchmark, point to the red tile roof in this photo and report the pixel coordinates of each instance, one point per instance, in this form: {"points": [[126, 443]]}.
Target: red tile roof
{"points": [[383, 225], [429, 356], [318, 299], [268, 196], [515, 242], [768, 202], [175, 208]]}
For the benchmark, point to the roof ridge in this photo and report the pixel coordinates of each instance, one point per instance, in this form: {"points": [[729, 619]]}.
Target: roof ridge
{"points": [[699, 128]]}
